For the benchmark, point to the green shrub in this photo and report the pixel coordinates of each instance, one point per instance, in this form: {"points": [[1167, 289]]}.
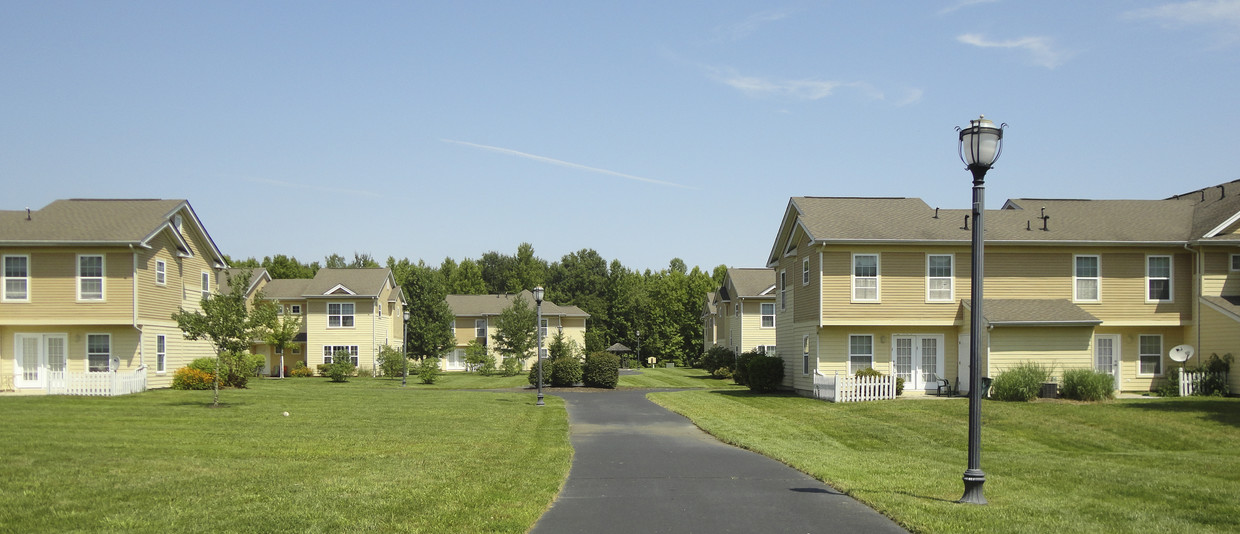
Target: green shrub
{"points": [[1214, 384], [868, 371], [1170, 384], [601, 370], [299, 370], [428, 370], [722, 372], [477, 359], [392, 362], [740, 373], [764, 373], [532, 376], [512, 366], [238, 367], [191, 378], [899, 386], [341, 368], [1087, 385], [1020, 383], [716, 358], [565, 371]]}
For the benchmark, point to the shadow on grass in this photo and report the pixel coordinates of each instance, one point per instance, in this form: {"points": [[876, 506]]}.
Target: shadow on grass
{"points": [[1218, 409], [748, 393]]}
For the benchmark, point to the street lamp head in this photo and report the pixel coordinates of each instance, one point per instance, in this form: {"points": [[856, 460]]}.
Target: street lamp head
{"points": [[538, 294], [980, 143], [406, 315]]}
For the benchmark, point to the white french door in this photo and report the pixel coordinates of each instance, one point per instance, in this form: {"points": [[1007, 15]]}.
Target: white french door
{"points": [[1106, 355], [918, 360], [39, 359]]}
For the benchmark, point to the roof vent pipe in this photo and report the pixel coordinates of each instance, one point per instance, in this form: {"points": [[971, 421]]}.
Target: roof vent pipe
{"points": [[1045, 218], [1222, 192], [936, 211], [1203, 195], [27, 214], [1028, 226], [966, 223]]}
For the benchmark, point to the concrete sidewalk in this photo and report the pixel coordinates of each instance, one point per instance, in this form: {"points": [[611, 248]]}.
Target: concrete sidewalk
{"points": [[640, 468]]}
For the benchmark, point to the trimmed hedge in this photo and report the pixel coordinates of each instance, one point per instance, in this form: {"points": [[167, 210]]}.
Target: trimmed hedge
{"points": [[764, 373], [601, 370], [1087, 385], [565, 371]]}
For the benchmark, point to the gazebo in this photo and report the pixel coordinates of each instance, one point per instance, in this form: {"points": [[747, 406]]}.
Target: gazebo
{"points": [[621, 351]]}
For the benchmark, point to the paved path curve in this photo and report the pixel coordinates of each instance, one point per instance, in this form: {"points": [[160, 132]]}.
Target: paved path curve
{"points": [[640, 468]]}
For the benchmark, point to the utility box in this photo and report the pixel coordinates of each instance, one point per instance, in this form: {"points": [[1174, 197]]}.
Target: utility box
{"points": [[1050, 390]]}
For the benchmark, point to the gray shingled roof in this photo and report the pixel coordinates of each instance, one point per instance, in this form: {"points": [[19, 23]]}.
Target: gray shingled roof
{"points": [[472, 305], [96, 221], [286, 288], [1035, 312], [751, 282], [911, 219], [362, 282], [256, 275]]}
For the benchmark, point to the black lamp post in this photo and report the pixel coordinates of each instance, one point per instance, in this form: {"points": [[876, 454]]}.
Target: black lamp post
{"points": [[980, 145], [405, 376], [538, 298]]}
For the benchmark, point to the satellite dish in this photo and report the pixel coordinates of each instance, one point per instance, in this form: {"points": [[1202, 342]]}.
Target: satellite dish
{"points": [[1181, 353]]}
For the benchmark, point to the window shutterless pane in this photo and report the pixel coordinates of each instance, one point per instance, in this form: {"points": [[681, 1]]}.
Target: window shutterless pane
{"points": [[90, 266], [940, 266], [865, 266]]}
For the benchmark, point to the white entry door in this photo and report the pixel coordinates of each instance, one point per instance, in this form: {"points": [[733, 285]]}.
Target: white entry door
{"points": [[39, 359], [1106, 355], [918, 360]]}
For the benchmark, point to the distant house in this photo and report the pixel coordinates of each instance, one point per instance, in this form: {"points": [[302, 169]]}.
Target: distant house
{"points": [[740, 315], [1111, 285], [351, 311], [88, 289], [475, 320]]}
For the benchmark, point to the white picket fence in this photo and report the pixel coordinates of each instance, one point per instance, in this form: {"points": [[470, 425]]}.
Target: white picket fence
{"points": [[96, 384], [1190, 379], [846, 388]]}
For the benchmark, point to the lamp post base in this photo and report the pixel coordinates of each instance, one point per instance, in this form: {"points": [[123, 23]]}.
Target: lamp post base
{"points": [[973, 481], [540, 400]]}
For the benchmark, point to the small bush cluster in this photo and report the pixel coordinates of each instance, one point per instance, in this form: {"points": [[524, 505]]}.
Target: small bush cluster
{"points": [[299, 370], [238, 367], [764, 373], [1211, 385], [477, 359], [190, 378], [717, 358], [428, 370], [512, 366], [740, 372], [565, 371], [601, 370], [392, 362], [1087, 385], [341, 368], [1020, 383]]}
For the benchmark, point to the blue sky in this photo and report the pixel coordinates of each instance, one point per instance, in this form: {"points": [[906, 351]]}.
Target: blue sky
{"points": [[644, 130]]}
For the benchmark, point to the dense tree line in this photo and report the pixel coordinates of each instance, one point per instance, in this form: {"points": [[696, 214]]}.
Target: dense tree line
{"points": [[665, 306]]}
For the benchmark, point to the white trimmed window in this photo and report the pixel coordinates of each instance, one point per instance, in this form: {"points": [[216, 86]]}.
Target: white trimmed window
{"points": [[16, 278], [90, 277], [768, 314], [805, 271], [98, 353], [206, 284], [330, 352], [1158, 279], [768, 350], [737, 307], [939, 276], [1087, 278], [296, 349], [1150, 356], [865, 278], [340, 315], [805, 355], [161, 354], [295, 309], [480, 329], [161, 272], [783, 290], [542, 328], [1235, 262], [860, 352]]}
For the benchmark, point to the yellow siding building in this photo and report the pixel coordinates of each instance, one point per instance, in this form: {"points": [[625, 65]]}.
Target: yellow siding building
{"points": [[88, 289], [1106, 284], [740, 315], [475, 315]]}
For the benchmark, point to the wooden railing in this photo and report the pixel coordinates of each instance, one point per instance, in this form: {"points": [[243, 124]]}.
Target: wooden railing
{"points": [[106, 384], [846, 388]]}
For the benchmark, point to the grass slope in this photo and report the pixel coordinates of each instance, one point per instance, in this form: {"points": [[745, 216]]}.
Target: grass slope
{"points": [[678, 377], [1165, 465], [362, 455]]}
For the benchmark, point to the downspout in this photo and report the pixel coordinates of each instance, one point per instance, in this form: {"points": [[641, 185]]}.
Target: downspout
{"points": [[374, 361], [1197, 293], [136, 326]]}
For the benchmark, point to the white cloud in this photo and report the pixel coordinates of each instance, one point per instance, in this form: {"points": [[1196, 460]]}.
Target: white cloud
{"points": [[755, 86], [332, 190], [750, 25], [1041, 49], [562, 163], [1224, 13], [963, 4]]}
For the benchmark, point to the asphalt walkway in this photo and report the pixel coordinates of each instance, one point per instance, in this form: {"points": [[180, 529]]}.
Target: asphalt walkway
{"points": [[640, 468]]}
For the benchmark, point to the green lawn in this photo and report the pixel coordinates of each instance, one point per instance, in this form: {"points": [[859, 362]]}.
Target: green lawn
{"points": [[678, 377], [363, 455], [1158, 465]]}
